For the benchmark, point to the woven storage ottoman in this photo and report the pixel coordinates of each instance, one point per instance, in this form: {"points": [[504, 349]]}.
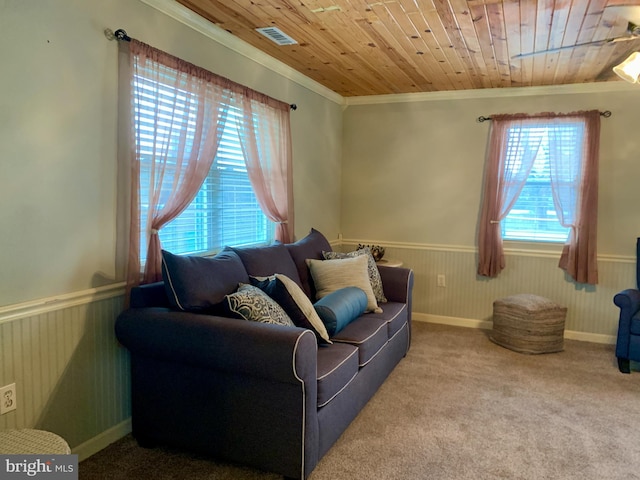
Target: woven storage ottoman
{"points": [[528, 324]]}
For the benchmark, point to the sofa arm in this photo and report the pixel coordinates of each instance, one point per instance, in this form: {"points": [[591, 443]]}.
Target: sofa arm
{"points": [[280, 353], [629, 303], [628, 300], [397, 283]]}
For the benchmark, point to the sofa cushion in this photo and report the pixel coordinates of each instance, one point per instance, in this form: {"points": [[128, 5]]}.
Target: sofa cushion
{"points": [[267, 260], [337, 366], [395, 316], [254, 305], [294, 302], [367, 333], [374, 274], [331, 275], [199, 284], [340, 308], [310, 246]]}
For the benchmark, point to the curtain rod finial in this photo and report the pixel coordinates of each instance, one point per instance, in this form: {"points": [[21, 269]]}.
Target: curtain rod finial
{"points": [[122, 35], [293, 106], [119, 34]]}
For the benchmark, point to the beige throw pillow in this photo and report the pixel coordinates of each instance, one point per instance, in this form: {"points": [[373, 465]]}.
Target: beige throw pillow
{"points": [[305, 306], [374, 274], [331, 275]]}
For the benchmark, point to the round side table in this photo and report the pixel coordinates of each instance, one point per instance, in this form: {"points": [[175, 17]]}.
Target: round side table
{"points": [[389, 262], [32, 442]]}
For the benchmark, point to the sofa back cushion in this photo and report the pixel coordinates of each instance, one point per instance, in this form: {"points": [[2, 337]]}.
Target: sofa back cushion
{"points": [[312, 247], [149, 295], [268, 260], [199, 284]]}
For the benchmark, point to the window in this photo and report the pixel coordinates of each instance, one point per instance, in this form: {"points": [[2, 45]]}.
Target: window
{"points": [[225, 211], [533, 216], [541, 176]]}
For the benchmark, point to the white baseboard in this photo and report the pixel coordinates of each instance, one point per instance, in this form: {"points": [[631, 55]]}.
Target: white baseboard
{"points": [[454, 321], [106, 438], [590, 337], [488, 324]]}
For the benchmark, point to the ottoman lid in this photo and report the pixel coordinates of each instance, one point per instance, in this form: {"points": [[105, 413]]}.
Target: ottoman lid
{"points": [[528, 302]]}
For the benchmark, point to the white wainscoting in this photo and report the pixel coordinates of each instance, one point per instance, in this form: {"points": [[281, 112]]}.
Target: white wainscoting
{"points": [[467, 299], [71, 375]]}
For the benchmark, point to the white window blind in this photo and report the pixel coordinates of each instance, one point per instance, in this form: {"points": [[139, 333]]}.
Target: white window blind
{"points": [[225, 211], [533, 216]]}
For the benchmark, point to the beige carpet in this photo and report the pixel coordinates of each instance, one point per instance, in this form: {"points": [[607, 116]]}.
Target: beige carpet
{"points": [[458, 407]]}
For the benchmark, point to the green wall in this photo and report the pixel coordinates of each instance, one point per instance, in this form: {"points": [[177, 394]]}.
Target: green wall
{"points": [[58, 137], [412, 180]]}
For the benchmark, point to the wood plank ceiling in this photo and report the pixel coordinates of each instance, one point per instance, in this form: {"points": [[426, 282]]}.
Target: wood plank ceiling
{"points": [[375, 47]]}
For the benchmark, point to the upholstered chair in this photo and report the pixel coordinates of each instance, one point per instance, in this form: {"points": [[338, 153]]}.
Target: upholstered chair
{"points": [[628, 343]]}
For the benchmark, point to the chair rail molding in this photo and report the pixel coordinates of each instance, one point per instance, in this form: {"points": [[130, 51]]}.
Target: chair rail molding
{"points": [[10, 313], [508, 250]]}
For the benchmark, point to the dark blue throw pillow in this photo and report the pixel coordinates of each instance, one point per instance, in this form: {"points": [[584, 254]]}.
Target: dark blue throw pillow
{"points": [[338, 309], [199, 284], [310, 246]]}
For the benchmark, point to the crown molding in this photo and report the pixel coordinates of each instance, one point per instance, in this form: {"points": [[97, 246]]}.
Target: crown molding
{"points": [[572, 89], [191, 19]]}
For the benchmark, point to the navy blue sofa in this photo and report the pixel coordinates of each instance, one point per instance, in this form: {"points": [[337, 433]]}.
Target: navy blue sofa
{"points": [[267, 396], [628, 342]]}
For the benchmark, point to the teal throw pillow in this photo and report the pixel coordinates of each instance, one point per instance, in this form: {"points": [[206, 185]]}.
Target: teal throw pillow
{"points": [[338, 309]]}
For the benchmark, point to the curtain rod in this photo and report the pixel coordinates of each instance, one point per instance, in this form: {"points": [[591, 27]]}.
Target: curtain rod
{"points": [[605, 114], [121, 35]]}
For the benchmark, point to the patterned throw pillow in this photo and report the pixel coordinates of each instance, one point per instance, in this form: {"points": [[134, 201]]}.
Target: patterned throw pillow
{"points": [[254, 305], [331, 275], [374, 274]]}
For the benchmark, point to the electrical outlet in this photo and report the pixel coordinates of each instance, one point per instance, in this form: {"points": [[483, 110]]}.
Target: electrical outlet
{"points": [[8, 399], [441, 281]]}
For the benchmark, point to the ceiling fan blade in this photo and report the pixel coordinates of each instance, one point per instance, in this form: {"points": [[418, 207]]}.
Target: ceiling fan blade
{"points": [[623, 39], [567, 47]]}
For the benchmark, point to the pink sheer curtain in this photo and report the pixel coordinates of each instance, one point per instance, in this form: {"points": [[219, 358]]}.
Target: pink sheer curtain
{"points": [[509, 162], [577, 202], [179, 149], [575, 193], [181, 146], [268, 160]]}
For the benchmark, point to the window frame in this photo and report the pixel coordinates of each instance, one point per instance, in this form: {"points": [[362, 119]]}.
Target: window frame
{"points": [[230, 146], [542, 165]]}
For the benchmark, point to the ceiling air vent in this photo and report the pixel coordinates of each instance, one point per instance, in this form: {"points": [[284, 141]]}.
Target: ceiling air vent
{"points": [[276, 35]]}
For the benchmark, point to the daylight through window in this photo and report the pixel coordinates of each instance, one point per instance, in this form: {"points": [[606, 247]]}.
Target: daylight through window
{"points": [[535, 215], [225, 211]]}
